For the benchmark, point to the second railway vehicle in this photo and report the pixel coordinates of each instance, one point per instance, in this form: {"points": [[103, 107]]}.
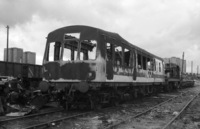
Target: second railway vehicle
{"points": [[30, 74], [89, 65]]}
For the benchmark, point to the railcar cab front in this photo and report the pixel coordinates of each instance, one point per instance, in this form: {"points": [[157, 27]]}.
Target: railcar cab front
{"points": [[73, 55]]}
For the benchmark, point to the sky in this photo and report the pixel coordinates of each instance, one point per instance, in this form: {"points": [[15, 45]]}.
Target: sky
{"points": [[166, 28]]}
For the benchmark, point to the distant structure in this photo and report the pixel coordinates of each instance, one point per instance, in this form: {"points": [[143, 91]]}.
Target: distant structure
{"points": [[177, 61], [17, 55], [14, 55], [29, 57]]}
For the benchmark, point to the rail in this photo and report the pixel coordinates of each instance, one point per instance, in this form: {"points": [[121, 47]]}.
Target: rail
{"points": [[28, 116], [167, 126], [142, 113]]}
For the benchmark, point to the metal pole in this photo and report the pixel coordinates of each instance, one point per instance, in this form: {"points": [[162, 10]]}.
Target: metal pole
{"points": [[7, 50], [182, 66], [182, 62], [7, 41]]}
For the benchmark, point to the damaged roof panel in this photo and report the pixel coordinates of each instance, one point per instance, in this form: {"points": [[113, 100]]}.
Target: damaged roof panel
{"points": [[87, 32]]}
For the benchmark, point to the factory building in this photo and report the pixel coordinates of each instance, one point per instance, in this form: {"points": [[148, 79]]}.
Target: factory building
{"points": [[17, 55], [29, 57], [177, 61], [14, 55]]}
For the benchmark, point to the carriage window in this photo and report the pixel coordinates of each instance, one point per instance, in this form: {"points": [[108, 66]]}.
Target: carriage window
{"points": [[149, 64], [118, 55], [144, 61], [71, 36], [88, 50], [139, 61], [133, 58], [70, 50], [82, 56], [159, 67], [109, 54], [127, 55], [154, 65], [54, 51]]}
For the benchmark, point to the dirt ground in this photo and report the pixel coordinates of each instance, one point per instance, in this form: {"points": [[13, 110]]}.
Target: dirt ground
{"points": [[191, 118]]}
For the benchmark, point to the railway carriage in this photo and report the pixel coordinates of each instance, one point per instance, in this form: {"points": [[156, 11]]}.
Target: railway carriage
{"points": [[95, 66], [31, 74]]}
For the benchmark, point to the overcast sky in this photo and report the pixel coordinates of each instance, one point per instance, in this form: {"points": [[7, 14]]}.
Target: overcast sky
{"points": [[163, 27]]}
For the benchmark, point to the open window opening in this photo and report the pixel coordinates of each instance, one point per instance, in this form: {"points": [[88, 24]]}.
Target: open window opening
{"points": [[70, 50], [88, 50], [144, 61], [54, 51], [133, 59], [127, 57], [71, 36], [149, 64], [118, 55], [139, 59], [109, 53], [159, 67]]}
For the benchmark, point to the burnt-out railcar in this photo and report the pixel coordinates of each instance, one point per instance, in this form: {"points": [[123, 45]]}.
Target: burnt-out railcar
{"points": [[89, 64]]}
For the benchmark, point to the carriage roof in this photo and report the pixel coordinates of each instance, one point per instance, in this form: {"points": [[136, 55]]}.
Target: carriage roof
{"points": [[88, 32]]}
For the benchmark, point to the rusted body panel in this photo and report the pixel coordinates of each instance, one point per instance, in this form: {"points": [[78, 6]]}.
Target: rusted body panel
{"points": [[75, 71], [70, 71]]}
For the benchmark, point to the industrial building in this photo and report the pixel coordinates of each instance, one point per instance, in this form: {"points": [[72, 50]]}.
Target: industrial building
{"points": [[14, 55], [17, 55], [29, 57], [177, 61]]}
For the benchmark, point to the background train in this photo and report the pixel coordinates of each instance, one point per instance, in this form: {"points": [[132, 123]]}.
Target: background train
{"points": [[17, 83], [90, 66], [30, 74]]}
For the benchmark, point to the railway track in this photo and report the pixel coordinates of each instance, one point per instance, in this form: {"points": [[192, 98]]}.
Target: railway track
{"points": [[159, 116], [38, 120], [7, 119], [189, 118], [106, 117], [84, 119], [167, 126]]}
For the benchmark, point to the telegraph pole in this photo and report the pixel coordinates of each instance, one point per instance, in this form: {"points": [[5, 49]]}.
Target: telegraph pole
{"points": [[182, 67], [7, 41], [7, 49], [182, 62]]}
